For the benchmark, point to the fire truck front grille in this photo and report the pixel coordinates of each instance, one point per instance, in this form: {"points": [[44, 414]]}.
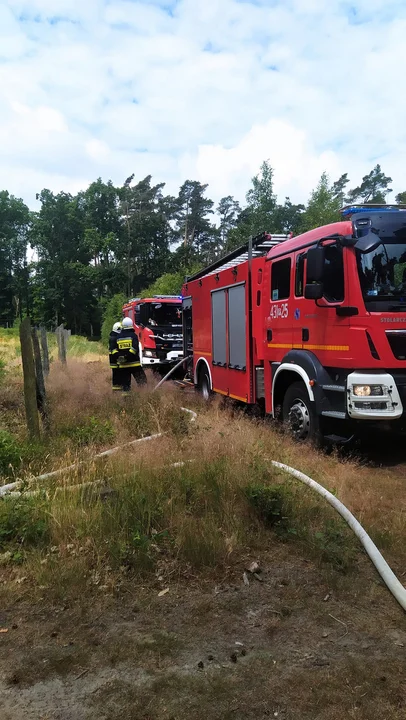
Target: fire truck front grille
{"points": [[397, 342]]}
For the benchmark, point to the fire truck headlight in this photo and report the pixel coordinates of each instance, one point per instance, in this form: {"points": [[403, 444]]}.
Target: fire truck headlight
{"points": [[366, 390], [361, 390], [149, 353]]}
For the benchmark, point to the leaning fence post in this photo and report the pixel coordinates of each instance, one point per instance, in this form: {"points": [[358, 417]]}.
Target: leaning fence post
{"points": [[41, 394], [45, 351], [30, 382]]}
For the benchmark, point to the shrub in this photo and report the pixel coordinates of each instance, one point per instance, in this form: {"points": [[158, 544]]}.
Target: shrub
{"points": [[113, 313], [91, 431], [23, 521], [10, 454], [270, 503]]}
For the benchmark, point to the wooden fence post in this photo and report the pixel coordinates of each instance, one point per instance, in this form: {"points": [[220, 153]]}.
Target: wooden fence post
{"points": [[30, 382], [61, 338], [41, 394], [45, 351]]}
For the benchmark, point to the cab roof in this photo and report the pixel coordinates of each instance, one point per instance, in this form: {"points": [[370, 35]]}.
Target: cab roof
{"points": [[344, 227], [170, 299]]}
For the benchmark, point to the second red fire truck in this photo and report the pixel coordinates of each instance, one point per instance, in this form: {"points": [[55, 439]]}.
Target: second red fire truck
{"points": [[158, 324], [312, 327]]}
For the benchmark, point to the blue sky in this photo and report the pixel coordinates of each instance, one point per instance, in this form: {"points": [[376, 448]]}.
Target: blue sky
{"points": [[200, 89]]}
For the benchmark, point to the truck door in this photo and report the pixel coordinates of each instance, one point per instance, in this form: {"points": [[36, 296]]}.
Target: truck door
{"points": [[279, 321], [317, 326]]}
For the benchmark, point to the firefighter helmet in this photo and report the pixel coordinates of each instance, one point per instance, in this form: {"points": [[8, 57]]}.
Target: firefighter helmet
{"points": [[117, 327], [127, 323]]}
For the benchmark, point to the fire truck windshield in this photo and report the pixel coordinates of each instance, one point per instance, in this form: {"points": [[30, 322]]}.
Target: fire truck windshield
{"points": [[382, 272], [164, 314]]}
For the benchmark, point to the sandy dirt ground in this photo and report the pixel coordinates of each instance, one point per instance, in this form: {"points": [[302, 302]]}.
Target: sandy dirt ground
{"points": [[300, 645]]}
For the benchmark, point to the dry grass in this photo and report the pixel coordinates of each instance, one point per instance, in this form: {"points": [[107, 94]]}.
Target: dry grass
{"points": [[81, 568], [225, 498]]}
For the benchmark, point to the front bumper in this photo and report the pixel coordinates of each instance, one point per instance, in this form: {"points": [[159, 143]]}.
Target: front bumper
{"points": [[162, 358]]}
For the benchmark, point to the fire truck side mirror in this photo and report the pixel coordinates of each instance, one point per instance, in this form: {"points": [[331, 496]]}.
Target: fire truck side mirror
{"points": [[313, 291], [315, 264]]}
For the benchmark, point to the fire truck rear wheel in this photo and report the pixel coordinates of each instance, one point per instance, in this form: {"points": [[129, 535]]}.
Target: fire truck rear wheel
{"points": [[204, 384], [298, 414]]}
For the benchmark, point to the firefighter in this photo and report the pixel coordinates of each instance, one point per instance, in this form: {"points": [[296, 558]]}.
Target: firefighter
{"points": [[128, 356], [113, 355]]}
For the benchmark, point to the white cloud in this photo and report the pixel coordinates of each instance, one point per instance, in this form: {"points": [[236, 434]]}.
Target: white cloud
{"points": [[207, 90], [298, 165]]}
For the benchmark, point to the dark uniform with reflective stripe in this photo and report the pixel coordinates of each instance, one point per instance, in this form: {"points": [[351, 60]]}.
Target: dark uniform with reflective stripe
{"points": [[124, 354], [116, 377]]}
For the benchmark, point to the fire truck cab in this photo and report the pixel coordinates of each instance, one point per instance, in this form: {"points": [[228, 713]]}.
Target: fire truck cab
{"points": [[158, 324], [312, 327]]}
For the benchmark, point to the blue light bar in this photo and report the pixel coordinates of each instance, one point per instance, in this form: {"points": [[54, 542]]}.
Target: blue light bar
{"points": [[355, 209]]}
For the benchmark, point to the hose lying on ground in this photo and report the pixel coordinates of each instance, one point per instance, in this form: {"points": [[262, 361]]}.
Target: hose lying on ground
{"points": [[389, 578], [10, 487]]}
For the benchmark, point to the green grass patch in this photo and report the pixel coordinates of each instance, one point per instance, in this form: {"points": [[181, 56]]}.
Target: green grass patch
{"points": [[294, 512], [24, 523], [10, 453], [90, 431]]}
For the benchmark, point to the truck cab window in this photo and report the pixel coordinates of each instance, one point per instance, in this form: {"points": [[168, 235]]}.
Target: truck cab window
{"points": [[334, 274], [299, 280], [280, 279]]}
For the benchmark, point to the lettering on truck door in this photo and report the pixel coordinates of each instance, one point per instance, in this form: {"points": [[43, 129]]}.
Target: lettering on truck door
{"points": [[279, 320]]}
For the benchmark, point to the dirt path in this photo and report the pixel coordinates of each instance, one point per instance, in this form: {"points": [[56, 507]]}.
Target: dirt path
{"points": [[289, 647]]}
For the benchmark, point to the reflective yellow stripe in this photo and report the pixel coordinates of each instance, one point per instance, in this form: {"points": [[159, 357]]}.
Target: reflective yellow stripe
{"points": [[234, 397], [123, 366], [305, 346], [113, 352], [200, 352]]}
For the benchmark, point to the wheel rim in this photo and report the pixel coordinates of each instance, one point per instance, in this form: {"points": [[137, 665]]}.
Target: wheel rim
{"points": [[299, 420], [205, 389]]}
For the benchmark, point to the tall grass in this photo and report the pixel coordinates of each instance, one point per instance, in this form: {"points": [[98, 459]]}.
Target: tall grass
{"points": [[134, 513]]}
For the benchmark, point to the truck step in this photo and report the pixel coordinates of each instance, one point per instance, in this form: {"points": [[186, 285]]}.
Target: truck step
{"points": [[334, 388], [338, 439], [334, 414]]}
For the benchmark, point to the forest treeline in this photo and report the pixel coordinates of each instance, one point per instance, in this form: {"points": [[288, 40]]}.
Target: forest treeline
{"points": [[65, 262]]}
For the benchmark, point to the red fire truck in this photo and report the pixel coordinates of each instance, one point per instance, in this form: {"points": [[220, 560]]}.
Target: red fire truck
{"points": [[158, 324], [312, 327]]}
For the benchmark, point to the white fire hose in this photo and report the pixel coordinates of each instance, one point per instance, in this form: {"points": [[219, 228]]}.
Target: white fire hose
{"points": [[389, 578]]}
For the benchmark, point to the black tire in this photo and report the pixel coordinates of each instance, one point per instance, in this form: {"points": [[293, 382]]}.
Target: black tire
{"points": [[299, 416], [204, 384]]}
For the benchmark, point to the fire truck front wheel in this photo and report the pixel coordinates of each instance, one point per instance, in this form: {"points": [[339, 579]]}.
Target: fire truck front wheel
{"points": [[298, 414]]}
